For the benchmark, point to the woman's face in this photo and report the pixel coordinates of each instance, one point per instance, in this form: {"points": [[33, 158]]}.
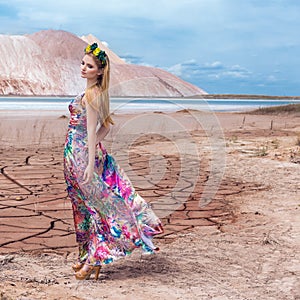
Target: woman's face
{"points": [[89, 68]]}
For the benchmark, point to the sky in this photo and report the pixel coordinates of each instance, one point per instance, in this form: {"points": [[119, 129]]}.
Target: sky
{"points": [[222, 46]]}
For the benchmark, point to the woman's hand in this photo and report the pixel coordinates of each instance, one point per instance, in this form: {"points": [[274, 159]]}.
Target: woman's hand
{"points": [[88, 174]]}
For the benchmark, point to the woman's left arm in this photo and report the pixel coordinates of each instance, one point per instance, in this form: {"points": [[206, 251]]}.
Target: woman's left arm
{"points": [[92, 117], [102, 133]]}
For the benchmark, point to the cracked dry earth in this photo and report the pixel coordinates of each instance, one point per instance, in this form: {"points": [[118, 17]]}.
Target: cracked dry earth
{"points": [[243, 244]]}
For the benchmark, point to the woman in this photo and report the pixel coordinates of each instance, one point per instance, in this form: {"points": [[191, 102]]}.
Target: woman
{"points": [[110, 218]]}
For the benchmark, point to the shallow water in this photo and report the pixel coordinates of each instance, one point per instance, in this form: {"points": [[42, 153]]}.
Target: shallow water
{"points": [[126, 105]]}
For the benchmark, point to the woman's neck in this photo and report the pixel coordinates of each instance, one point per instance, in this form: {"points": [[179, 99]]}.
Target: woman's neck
{"points": [[90, 83]]}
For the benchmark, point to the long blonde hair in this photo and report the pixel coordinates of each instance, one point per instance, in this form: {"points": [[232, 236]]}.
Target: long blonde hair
{"points": [[97, 95]]}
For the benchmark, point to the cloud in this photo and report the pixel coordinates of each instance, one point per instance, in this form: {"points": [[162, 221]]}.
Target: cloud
{"points": [[185, 69], [237, 71], [214, 69], [132, 59], [216, 65], [136, 60], [217, 77], [272, 78], [105, 44]]}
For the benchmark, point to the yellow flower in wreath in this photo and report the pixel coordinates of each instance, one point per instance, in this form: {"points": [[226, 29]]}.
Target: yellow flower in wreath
{"points": [[88, 49], [96, 51]]}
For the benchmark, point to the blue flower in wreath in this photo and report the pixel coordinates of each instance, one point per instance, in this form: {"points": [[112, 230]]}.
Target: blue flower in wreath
{"points": [[94, 46]]}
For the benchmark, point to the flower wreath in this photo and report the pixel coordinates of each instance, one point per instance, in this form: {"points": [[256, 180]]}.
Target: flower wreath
{"points": [[95, 50]]}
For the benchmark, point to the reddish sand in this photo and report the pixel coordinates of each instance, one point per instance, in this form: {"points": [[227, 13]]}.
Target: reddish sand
{"points": [[225, 185]]}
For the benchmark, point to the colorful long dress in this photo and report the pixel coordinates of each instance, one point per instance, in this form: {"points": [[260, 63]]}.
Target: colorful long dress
{"points": [[111, 219]]}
